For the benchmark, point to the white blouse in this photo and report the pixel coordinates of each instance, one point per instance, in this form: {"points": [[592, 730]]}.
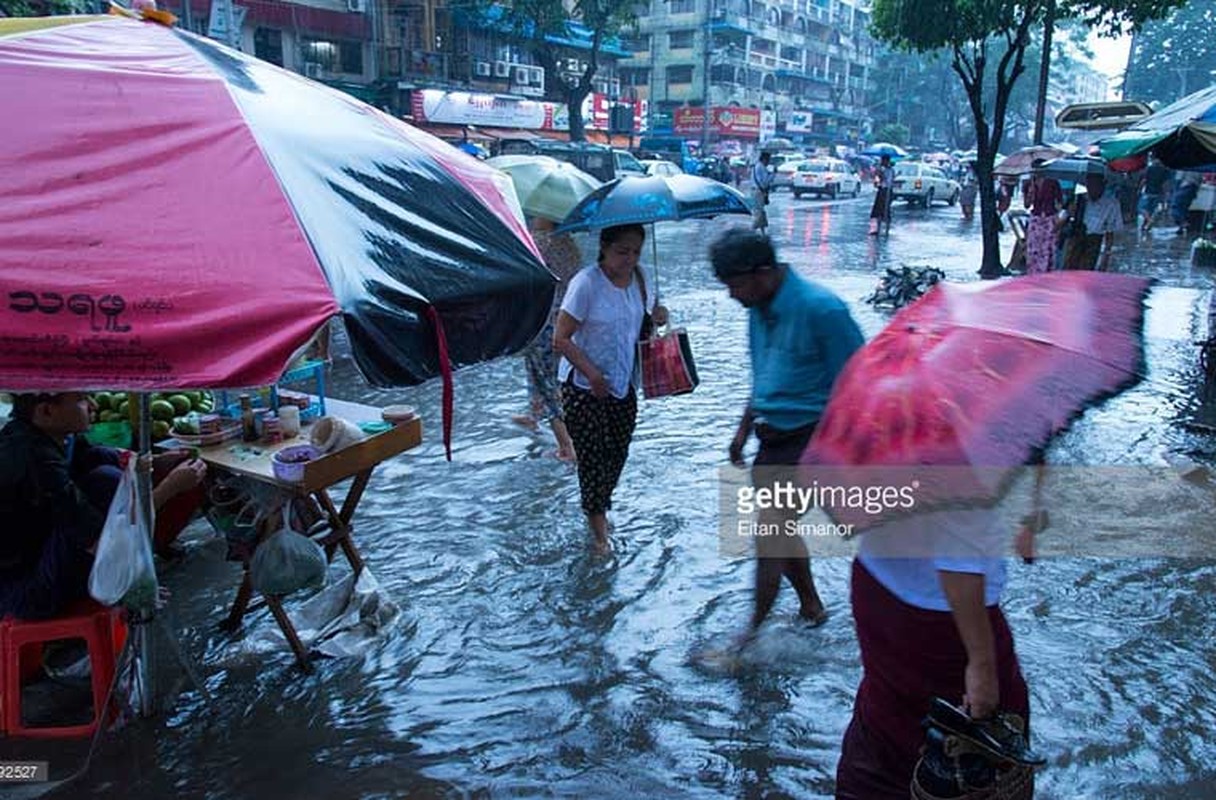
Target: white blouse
{"points": [[610, 320]]}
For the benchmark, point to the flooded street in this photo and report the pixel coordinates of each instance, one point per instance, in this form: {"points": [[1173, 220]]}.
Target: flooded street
{"points": [[521, 666]]}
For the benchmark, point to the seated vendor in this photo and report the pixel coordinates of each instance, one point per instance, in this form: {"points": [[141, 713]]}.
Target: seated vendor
{"points": [[55, 491]]}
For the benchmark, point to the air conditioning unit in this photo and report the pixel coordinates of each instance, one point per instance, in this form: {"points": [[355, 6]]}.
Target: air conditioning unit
{"points": [[572, 65], [312, 69], [357, 6], [522, 74], [502, 69], [483, 69], [538, 77]]}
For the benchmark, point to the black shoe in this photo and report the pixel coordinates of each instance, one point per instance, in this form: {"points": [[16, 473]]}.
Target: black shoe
{"points": [[995, 736]]}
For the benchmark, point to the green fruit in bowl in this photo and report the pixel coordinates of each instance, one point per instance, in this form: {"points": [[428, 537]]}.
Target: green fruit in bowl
{"points": [[181, 404], [160, 429]]}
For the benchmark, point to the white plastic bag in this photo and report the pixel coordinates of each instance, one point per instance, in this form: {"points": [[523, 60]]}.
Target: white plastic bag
{"points": [[123, 570], [287, 561]]}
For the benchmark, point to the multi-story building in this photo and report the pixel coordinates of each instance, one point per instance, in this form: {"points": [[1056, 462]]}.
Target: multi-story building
{"points": [[796, 68], [453, 65]]}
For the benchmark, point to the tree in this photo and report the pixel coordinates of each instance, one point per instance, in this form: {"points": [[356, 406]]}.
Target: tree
{"points": [[39, 8], [1174, 56], [975, 30], [538, 22], [894, 133]]}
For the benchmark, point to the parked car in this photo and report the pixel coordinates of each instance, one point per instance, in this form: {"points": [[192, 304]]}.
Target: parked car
{"points": [[655, 166], [923, 183], [595, 159], [828, 176], [627, 164]]}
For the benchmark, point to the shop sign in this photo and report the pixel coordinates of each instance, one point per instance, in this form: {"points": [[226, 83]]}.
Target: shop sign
{"points": [[724, 121]]}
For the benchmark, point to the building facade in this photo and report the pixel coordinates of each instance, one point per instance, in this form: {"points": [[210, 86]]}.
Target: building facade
{"points": [[793, 68]]}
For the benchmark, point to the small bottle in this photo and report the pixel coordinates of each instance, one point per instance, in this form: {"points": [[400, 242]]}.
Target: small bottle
{"points": [[249, 428], [272, 431]]}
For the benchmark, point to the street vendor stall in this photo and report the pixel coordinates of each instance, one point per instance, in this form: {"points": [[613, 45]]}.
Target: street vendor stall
{"points": [[318, 476]]}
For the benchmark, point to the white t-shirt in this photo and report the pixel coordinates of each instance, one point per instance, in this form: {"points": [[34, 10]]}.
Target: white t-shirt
{"points": [[610, 319], [1104, 214], [905, 555]]}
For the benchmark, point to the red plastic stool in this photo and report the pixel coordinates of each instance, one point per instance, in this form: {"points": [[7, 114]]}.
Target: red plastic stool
{"points": [[103, 631]]}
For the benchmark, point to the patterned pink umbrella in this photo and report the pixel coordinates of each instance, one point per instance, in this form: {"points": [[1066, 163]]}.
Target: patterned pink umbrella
{"points": [[968, 383]]}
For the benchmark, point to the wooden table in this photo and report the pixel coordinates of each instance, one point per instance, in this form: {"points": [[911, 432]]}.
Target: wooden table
{"points": [[253, 460]]}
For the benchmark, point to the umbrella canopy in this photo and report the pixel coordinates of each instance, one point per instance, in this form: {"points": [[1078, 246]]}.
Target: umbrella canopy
{"points": [[885, 149], [546, 187], [178, 214], [1019, 162], [1182, 135], [654, 199], [1072, 168], [973, 379]]}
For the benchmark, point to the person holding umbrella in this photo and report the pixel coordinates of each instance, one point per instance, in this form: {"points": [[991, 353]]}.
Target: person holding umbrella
{"points": [[1044, 198], [799, 335], [884, 182], [597, 332]]}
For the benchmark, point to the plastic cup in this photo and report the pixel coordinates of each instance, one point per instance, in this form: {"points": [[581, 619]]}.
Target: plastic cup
{"points": [[289, 421]]}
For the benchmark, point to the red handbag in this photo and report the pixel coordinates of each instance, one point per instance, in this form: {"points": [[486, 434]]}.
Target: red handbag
{"points": [[667, 365]]}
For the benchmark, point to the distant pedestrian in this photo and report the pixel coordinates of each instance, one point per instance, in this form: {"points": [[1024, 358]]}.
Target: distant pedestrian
{"points": [[1184, 194], [1152, 190], [762, 184], [1044, 199], [799, 336], [969, 189], [1103, 219], [884, 185]]}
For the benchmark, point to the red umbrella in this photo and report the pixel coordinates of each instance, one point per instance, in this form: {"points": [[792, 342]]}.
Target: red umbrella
{"points": [[968, 383]]}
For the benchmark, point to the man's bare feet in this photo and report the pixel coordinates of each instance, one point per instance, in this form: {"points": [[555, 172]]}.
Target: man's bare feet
{"points": [[813, 618]]}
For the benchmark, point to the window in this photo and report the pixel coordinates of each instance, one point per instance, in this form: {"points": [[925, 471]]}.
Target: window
{"points": [[679, 40], [268, 45], [334, 56], [681, 6], [679, 73]]}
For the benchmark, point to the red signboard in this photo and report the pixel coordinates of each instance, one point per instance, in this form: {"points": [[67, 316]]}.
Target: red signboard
{"points": [[734, 121]]}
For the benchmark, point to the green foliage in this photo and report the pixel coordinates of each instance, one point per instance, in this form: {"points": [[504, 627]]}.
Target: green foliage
{"points": [[1174, 56], [25, 8], [978, 34], [531, 21], [892, 132]]}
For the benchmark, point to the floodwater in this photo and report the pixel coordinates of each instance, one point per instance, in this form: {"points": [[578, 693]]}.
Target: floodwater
{"points": [[521, 666]]}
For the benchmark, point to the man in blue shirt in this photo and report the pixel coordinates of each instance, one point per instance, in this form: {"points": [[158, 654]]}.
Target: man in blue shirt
{"points": [[800, 335]]}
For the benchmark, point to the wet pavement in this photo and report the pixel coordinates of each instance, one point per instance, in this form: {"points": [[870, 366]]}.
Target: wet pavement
{"points": [[521, 666]]}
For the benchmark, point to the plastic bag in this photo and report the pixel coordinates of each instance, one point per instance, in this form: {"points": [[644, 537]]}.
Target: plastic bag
{"points": [[287, 562], [123, 570]]}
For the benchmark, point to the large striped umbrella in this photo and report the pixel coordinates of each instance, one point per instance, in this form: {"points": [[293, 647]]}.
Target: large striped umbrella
{"points": [[180, 214]]}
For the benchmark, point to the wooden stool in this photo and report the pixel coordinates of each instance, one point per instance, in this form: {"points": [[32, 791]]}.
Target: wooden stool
{"points": [[103, 631]]}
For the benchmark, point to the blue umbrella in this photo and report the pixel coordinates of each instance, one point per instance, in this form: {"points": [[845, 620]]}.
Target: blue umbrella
{"points": [[654, 199], [885, 149]]}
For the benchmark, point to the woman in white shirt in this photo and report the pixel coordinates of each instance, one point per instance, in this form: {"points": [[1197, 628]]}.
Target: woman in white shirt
{"points": [[597, 334]]}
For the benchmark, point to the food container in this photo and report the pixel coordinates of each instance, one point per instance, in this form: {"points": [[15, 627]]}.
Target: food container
{"points": [[398, 414], [288, 463]]}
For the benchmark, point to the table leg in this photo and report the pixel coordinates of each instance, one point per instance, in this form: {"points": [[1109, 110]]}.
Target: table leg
{"points": [[275, 603], [340, 534], [239, 605]]}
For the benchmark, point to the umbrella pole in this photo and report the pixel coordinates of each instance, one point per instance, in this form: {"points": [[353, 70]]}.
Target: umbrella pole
{"points": [[143, 670], [654, 258]]}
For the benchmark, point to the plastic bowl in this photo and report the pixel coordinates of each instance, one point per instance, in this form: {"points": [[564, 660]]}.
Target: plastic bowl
{"points": [[288, 463]]}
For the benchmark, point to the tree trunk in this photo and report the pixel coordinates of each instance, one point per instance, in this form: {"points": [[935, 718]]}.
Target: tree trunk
{"points": [[1040, 111], [574, 107]]}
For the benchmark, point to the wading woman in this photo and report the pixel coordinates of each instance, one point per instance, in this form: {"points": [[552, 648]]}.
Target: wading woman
{"points": [[597, 334]]}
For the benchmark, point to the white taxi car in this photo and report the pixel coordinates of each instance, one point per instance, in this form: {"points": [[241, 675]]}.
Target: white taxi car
{"points": [[828, 176], [922, 183]]}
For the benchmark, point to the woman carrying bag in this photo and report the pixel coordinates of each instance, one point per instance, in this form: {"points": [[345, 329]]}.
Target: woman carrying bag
{"points": [[597, 332]]}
